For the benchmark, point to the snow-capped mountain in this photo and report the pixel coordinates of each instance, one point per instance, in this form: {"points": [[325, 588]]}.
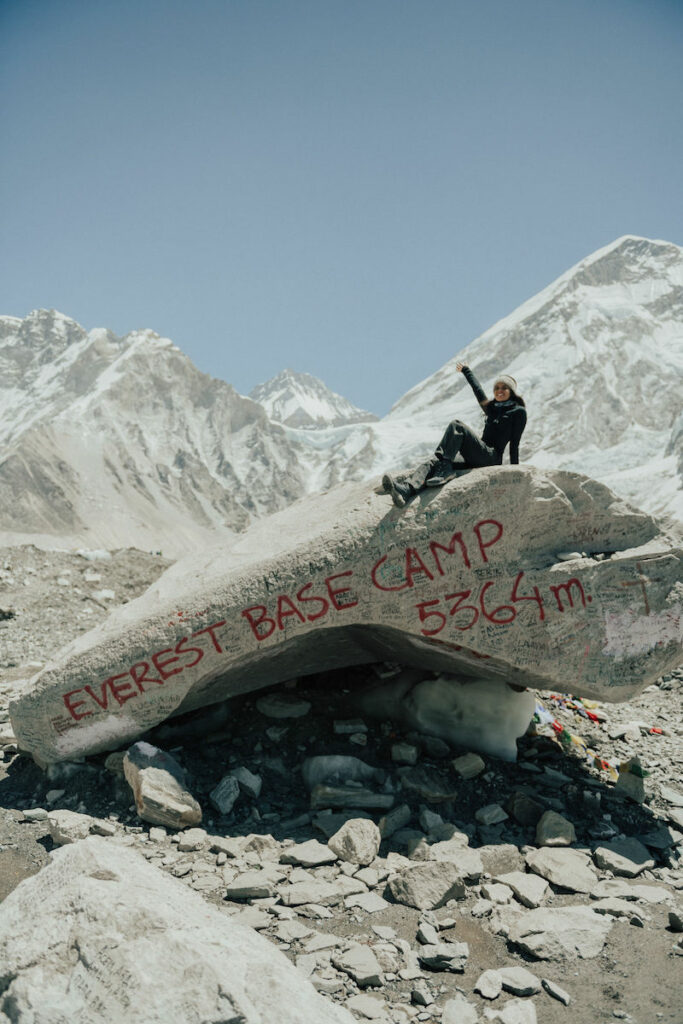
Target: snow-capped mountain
{"points": [[598, 356], [302, 401], [114, 442]]}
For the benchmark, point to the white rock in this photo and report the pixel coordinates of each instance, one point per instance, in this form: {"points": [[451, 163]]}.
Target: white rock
{"points": [[309, 854], [489, 984], [568, 869], [68, 826], [531, 890], [361, 964], [174, 957], [458, 1011], [556, 933], [357, 841], [627, 857], [519, 981], [515, 1011], [159, 787], [427, 886]]}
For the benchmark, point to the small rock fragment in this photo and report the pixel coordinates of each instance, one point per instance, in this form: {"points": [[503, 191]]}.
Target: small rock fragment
{"points": [[159, 787], [357, 841], [489, 984], [555, 991], [282, 705], [492, 814], [468, 766], [554, 830]]}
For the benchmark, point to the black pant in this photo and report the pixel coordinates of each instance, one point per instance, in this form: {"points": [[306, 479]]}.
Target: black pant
{"points": [[458, 439]]}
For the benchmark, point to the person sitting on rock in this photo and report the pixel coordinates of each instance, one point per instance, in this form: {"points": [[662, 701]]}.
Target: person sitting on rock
{"points": [[505, 423]]}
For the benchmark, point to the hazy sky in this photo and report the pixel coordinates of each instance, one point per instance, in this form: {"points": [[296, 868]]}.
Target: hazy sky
{"points": [[352, 188]]}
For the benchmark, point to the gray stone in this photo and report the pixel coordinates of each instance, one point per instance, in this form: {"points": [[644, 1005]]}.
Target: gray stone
{"points": [[459, 1011], [531, 890], [519, 981], [367, 1007], [357, 841], [249, 783], [337, 769], [310, 854], [370, 902], [567, 869], [206, 968], [515, 1011], [444, 956], [352, 550], [361, 964], [489, 984], [554, 830], [468, 861], [557, 933], [468, 766], [160, 787], [68, 826], [348, 796], [556, 992], [492, 814], [316, 891], [496, 892], [394, 820], [192, 839], [35, 814], [428, 885], [404, 753], [282, 705], [253, 885], [625, 857]]}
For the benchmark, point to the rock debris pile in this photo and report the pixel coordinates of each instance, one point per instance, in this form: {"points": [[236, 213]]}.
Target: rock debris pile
{"points": [[404, 879]]}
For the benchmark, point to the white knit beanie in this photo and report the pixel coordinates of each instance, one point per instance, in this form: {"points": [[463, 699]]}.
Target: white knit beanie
{"points": [[505, 378]]}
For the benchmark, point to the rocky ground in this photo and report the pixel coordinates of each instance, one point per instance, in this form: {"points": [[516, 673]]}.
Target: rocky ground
{"points": [[457, 908]]}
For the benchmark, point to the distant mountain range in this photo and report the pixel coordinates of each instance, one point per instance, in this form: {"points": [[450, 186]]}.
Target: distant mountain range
{"points": [[113, 442]]}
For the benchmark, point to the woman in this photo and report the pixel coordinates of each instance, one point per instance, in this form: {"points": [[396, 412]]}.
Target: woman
{"points": [[505, 423]]}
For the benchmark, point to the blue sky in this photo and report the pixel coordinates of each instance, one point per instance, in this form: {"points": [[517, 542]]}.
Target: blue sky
{"points": [[351, 188]]}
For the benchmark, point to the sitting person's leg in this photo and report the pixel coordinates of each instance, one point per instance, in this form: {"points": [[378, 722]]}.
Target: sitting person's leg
{"points": [[459, 440]]}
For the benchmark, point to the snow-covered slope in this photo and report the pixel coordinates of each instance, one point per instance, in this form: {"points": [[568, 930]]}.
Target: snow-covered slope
{"points": [[120, 441], [110, 441], [300, 400], [598, 356]]}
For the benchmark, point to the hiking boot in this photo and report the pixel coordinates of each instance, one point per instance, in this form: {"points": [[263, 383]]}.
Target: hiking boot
{"points": [[440, 474], [399, 492]]}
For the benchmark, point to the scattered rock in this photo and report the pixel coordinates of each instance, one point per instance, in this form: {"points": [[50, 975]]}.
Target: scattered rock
{"points": [[427, 886], [567, 869], [554, 933], [93, 890], [626, 857], [357, 841], [159, 787], [555, 830]]}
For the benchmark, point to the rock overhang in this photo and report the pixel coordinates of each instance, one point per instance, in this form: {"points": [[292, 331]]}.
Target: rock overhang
{"points": [[465, 580]]}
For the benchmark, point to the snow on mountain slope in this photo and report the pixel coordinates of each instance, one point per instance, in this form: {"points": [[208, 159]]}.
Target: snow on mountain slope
{"points": [[110, 442], [119, 441], [598, 356], [302, 401]]}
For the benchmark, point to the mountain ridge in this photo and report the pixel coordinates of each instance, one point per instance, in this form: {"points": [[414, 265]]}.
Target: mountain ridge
{"points": [[114, 440]]}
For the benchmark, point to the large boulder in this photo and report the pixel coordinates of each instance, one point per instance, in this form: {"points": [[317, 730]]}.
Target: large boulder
{"points": [[100, 935], [508, 573]]}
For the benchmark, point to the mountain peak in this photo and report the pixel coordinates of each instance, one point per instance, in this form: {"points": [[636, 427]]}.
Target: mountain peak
{"points": [[300, 400]]}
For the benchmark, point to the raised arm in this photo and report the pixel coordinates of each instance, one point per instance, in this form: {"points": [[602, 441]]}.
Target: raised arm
{"points": [[479, 392], [518, 425]]}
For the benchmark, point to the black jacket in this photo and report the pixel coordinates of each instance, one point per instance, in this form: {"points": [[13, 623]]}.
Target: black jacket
{"points": [[505, 421]]}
